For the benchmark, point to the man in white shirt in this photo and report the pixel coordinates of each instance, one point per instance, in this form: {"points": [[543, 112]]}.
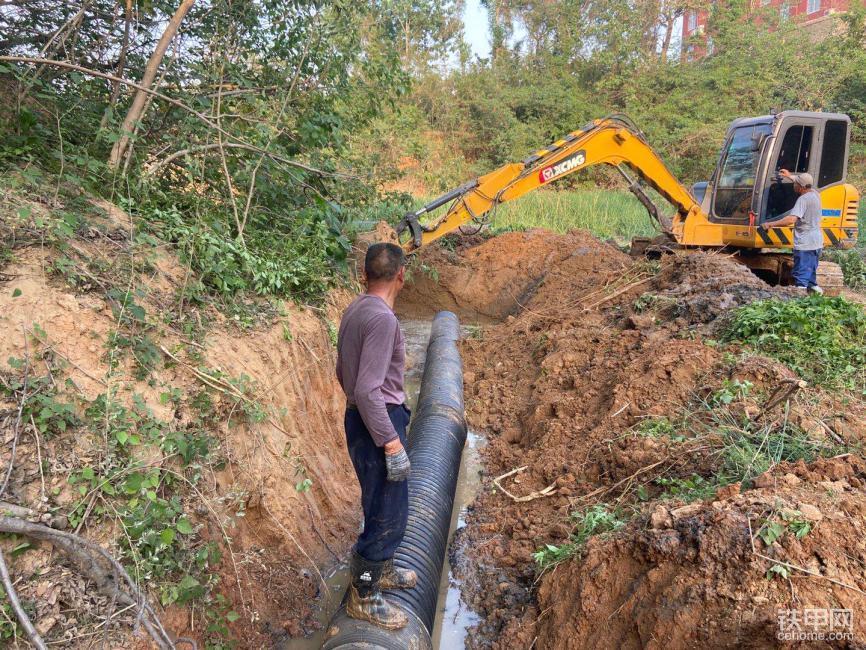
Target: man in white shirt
{"points": [[805, 217]]}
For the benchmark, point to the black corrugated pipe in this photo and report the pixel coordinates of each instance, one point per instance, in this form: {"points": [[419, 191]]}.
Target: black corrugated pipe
{"points": [[436, 439]]}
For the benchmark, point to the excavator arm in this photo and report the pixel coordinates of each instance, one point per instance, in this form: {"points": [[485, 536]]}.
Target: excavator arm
{"points": [[614, 141]]}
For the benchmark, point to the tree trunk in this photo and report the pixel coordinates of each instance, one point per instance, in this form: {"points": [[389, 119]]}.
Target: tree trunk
{"points": [[121, 65], [666, 43], [136, 110]]}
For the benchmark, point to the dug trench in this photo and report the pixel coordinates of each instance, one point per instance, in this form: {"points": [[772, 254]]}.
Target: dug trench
{"points": [[648, 480], [648, 511]]}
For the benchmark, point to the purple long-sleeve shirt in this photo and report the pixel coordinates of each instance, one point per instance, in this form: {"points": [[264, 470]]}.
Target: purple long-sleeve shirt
{"points": [[370, 360]]}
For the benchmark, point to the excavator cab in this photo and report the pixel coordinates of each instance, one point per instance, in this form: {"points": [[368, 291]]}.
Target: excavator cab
{"points": [[746, 187]]}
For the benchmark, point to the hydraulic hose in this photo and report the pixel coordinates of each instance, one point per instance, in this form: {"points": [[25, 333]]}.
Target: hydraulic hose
{"points": [[436, 438]]}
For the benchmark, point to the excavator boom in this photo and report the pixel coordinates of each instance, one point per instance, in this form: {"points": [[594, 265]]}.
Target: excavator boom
{"points": [[614, 141]]}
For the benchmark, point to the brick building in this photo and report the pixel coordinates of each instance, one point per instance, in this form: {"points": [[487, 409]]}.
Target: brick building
{"points": [[816, 16]]}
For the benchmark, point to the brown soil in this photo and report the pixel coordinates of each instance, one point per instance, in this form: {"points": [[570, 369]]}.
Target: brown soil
{"points": [[274, 538], [694, 578], [581, 344]]}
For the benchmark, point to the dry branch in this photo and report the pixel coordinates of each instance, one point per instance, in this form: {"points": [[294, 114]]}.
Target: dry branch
{"points": [[782, 392], [156, 167], [545, 492], [633, 476], [12, 596], [618, 292]]}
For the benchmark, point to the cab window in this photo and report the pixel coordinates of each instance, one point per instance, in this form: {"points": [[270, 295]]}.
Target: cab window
{"points": [[796, 150], [833, 153], [733, 198], [794, 155]]}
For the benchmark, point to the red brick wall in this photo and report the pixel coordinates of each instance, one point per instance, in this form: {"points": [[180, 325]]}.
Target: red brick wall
{"points": [[796, 8]]}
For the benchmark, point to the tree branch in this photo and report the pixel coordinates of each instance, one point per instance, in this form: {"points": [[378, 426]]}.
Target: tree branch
{"points": [[32, 634], [157, 167]]}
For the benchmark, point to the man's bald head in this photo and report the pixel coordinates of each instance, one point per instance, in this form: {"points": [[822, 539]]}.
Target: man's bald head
{"points": [[383, 262]]}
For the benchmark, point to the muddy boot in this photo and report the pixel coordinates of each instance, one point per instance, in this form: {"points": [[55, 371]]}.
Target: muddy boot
{"points": [[366, 602], [396, 578]]}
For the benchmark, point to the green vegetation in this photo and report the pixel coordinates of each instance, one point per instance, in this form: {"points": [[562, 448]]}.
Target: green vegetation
{"points": [[750, 450], [692, 488], [744, 451], [596, 520], [9, 626], [658, 427], [555, 66], [261, 143], [239, 155], [772, 530], [730, 391], [744, 447], [822, 339]]}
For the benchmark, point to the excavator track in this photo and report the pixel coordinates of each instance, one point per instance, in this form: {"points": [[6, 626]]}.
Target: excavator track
{"points": [[830, 278]]}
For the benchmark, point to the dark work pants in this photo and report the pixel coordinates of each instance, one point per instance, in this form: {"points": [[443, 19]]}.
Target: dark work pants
{"points": [[806, 268], [385, 503]]}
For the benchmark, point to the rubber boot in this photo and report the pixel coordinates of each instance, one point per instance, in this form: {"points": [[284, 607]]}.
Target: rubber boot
{"points": [[396, 578], [366, 602]]}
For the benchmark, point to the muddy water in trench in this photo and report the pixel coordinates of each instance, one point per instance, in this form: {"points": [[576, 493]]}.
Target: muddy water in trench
{"points": [[453, 617]]}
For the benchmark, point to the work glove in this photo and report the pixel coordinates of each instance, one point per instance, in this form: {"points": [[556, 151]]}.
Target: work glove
{"points": [[398, 465]]}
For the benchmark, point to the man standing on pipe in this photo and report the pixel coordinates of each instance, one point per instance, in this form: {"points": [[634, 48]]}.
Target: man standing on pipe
{"points": [[370, 360]]}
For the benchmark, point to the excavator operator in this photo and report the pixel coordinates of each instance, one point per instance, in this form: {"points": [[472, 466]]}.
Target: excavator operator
{"points": [[805, 217]]}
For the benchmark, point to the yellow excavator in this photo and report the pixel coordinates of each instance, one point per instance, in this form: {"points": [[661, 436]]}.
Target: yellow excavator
{"points": [[725, 212]]}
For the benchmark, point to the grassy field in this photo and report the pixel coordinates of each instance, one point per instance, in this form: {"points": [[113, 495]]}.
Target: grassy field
{"points": [[605, 213]]}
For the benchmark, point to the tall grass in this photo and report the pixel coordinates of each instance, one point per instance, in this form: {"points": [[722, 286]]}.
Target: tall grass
{"points": [[605, 213]]}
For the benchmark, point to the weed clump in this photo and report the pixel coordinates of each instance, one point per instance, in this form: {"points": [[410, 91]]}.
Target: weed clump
{"points": [[821, 339], [596, 520]]}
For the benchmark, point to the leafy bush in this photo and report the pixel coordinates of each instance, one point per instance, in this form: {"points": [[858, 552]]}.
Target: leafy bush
{"points": [[299, 261], [822, 339]]}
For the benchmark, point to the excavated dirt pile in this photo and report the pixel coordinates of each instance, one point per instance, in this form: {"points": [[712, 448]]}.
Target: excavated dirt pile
{"points": [[602, 388]]}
